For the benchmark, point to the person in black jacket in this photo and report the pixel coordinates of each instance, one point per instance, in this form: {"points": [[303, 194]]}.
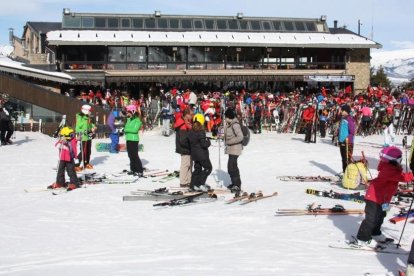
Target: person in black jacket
{"points": [[6, 124], [182, 127], [199, 145]]}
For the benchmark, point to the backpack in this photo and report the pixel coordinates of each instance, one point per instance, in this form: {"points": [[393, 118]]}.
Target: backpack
{"points": [[246, 134], [355, 174]]}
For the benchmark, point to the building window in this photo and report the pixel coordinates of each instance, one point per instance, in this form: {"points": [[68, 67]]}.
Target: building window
{"points": [[116, 54], [186, 24], [277, 25], [198, 24], [266, 25], [162, 23], [125, 23], [310, 26], [174, 24], [150, 23], [233, 24], [209, 24], [136, 54], [71, 22], [300, 26], [255, 25], [288, 25], [87, 22], [137, 23], [222, 24], [244, 25], [113, 23], [100, 22]]}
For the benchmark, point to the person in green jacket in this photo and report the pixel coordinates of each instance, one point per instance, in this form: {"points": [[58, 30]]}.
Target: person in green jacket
{"points": [[132, 126], [85, 130]]}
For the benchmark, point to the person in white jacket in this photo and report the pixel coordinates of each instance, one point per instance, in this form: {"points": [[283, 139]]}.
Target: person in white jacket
{"points": [[389, 134]]}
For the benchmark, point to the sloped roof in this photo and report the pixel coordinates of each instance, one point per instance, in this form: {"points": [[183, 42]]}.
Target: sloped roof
{"points": [[42, 27]]}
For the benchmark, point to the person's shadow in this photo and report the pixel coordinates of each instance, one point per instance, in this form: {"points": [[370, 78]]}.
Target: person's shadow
{"points": [[22, 141], [324, 167], [99, 160]]}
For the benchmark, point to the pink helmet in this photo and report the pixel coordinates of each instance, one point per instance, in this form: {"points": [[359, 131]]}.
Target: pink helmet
{"points": [[391, 154], [131, 108]]}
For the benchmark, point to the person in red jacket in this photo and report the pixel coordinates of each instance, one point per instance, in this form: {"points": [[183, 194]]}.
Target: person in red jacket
{"points": [[378, 196], [307, 117]]}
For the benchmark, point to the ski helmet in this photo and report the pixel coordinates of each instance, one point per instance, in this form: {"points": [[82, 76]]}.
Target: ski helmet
{"points": [[131, 108], [86, 109], [199, 118], [66, 132], [391, 154]]}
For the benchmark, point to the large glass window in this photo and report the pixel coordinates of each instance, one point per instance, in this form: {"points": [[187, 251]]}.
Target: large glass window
{"points": [[209, 24], [198, 24], [94, 53], [174, 24], [71, 22], [125, 23], [87, 22], [233, 24], [162, 23], [137, 23], [216, 54], [196, 54], [255, 25], [244, 25], [100, 22], [266, 25], [136, 54], [277, 25], [73, 53], [167, 54], [113, 23], [222, 24], [310, 26], [288, 25], [116, 54], [186, 24], [300, 26], [150, 23]]}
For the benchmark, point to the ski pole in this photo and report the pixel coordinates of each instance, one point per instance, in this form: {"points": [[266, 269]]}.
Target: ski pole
{"points": [[412, 200]]}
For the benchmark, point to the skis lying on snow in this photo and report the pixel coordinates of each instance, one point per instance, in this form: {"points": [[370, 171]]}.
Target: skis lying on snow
{"points": [[253, 197], [383, 247], [242, 196], [303, 178], [200, 197], [161, 194], [317, 210], [168, 177], [356, 197]]}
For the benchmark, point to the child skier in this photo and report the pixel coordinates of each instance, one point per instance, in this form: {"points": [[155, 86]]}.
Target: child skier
{"points": [[378, 196], [132, 126], [199, 145], [67, 155]]}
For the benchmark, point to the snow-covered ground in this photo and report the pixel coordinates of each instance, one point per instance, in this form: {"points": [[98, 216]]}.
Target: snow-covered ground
{"points": [[91, 231]]}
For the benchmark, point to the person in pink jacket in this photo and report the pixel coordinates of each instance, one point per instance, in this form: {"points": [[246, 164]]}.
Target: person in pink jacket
{"points": [[67, 155], [378, 196], [366, 119]]}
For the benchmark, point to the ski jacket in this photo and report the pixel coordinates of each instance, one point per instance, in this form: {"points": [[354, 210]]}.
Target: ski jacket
{"points": [[68, 150], [389, 135], [233, 137], [382, 188], [182, 144], [132, 127], [308, 114], [366, 111], [199, 145], [346, 129], [84, 126]]}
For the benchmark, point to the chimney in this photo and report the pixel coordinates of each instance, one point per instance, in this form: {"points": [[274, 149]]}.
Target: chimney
{"points": [[11, 35], [335, 24]]}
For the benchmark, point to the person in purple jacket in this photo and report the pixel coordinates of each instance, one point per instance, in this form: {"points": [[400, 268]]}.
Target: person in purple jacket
{"points": [[115, 124], [346, 136]]}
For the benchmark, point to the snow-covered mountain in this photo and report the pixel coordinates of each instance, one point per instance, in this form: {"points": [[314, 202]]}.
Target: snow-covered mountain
{"points": [[5, 50], [398, 64]]}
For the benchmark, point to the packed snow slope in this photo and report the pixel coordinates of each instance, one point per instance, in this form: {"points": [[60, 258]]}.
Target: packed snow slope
{"points": [[91, 231]]}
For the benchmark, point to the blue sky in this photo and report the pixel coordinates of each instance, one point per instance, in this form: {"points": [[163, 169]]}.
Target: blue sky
{"points": [[387, 21]]}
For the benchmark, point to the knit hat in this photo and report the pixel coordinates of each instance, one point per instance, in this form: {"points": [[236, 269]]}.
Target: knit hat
{"points": [[391, 154], [86, 109], [230, 113], [346, 108]]}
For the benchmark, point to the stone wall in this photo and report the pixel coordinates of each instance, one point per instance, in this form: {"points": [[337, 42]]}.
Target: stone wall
{"points": [[358, 64]]}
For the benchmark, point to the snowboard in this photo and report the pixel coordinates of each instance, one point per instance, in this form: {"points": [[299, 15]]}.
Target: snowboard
{"points": [[105, 147]]}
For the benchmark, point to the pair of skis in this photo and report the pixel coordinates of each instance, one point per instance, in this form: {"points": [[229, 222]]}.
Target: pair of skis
{"points": [[246, 198], [161, 194], [355, 197], [316, 210]]}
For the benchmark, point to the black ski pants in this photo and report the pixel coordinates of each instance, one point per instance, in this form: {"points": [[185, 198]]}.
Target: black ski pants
{"points": [[346, 150], [135, 163], [411, 255], [371, 225], [6, 131], [70, 169], [202, 169], [322, 128], [233, 170], [308, 131]]}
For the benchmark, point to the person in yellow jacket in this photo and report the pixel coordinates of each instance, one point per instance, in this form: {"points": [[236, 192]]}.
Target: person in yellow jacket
{"points": [[85, 130], [132, 127]]}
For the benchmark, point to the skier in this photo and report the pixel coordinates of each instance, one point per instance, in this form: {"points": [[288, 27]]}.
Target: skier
{"points": [[366, 119], [166, 115], [86, 131], [323, 113], [6, 124], [233, 137], [389, 134], [182, 146], [67, 155], [115, 124], [199, 145], [308, 115], [346, 136], [257, 116], [378, 196], [132, 126]]}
